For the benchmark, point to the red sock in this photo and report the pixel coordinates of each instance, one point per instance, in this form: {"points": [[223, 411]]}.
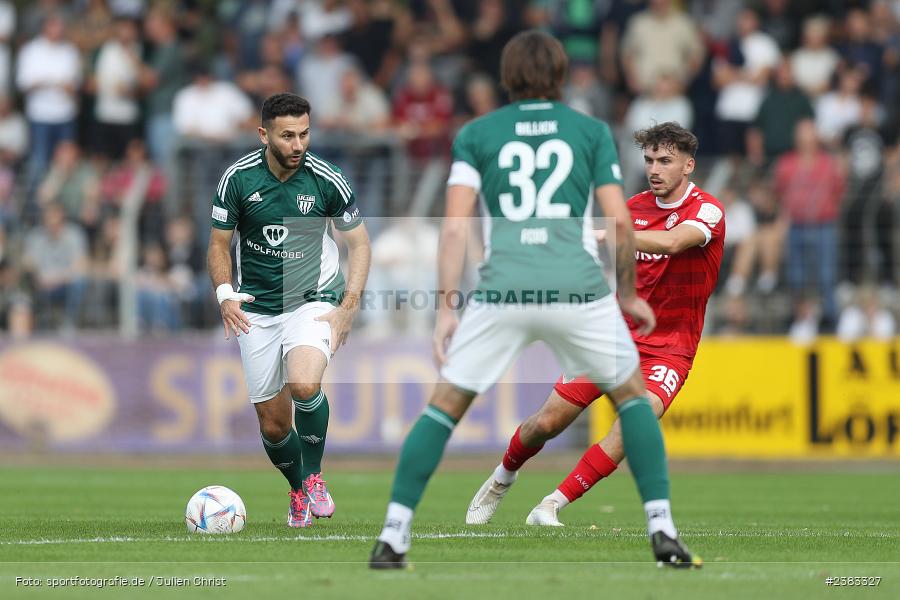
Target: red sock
{"points": [[517, 454], [595, 464]]}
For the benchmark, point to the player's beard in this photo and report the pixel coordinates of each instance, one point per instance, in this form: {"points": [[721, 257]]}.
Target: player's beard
{"points": [[285, 160], [665, 190]]}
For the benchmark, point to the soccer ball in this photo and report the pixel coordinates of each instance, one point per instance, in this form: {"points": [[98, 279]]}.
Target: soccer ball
{"points": [[215, 509]]}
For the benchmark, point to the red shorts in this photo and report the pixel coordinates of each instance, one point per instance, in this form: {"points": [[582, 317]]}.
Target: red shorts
{"points": [[663, 376]]}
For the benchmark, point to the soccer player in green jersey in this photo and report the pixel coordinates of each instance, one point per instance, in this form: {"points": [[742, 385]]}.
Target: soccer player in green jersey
{"points": [[292, 309], [536, 166]]}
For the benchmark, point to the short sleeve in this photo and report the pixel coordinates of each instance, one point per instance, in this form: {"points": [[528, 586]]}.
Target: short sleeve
{"points": [[464, 147], [707, 216], [605, 169], [464, 167], [342, 206], [226, 204]]}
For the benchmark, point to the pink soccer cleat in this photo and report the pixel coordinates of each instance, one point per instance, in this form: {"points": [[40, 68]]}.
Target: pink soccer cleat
{"points": [[299, 514], [320, 502]]}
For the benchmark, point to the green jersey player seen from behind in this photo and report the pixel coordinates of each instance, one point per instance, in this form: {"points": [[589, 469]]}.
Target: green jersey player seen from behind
{"points": [[536, 167], [536, 163]]}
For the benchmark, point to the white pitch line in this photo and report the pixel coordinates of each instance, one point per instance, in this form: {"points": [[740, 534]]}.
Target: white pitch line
{"points": [[223, 538], [571, 534]]}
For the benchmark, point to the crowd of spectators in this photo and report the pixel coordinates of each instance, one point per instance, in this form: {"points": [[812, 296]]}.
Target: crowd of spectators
{"points": [[796, 104]]}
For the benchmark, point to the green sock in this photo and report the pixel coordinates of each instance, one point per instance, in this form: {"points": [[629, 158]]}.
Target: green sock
{"points": [[644, 448], [421, 455], [311, 418], [285, 455]]}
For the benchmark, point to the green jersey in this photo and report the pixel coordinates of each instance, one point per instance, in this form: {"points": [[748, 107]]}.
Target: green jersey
{"points": [[285, 254], [536, 164]]}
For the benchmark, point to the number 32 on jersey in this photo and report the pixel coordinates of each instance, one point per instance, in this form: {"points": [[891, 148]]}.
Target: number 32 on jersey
{"points": [[535, 202]]}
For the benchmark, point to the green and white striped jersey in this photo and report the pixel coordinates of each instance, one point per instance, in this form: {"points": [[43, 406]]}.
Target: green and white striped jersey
{"points": [[286, 255]]}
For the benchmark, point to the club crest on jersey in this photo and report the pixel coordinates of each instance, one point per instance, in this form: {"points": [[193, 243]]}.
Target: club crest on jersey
{"points": [[275, 234], [670, 222], [305, 203]]}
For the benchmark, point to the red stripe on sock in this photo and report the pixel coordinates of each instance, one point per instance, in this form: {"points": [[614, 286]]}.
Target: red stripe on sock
{"points": [[517, 454], [595, 464]]}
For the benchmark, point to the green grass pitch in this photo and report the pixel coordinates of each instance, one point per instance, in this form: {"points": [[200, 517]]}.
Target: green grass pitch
{"points": [[762, 535]]}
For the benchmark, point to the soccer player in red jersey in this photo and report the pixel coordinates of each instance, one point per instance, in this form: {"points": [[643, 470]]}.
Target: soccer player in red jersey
{"points": [[679, 234]]}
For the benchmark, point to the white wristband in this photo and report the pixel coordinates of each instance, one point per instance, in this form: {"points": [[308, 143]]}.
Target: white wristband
{"points": [[225, 292]]}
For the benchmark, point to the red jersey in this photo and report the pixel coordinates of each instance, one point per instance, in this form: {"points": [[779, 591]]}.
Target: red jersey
{"points": [[435, 106], [677, 287]]}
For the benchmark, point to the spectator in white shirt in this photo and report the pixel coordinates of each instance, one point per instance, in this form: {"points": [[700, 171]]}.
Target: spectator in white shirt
{"points": [[13, 133], [49, 75], [208, 116], [815, 62], [210, 110], [117, 71], [841, 108], [743, 86], [319, 73], [866, 318]]}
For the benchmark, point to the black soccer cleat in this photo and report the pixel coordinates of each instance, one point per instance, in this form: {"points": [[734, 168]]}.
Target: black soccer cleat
{"points": [[384, 557], [673, 553]]}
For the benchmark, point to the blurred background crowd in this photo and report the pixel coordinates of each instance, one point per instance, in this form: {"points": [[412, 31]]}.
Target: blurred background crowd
{"points": [[117, 118]]}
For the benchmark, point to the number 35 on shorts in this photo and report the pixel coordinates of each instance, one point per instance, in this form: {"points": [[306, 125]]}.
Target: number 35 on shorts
{"points": [[667, 378]]}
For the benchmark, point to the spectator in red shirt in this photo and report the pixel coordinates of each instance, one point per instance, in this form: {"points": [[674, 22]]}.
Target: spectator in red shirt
{"points": [[809, 184], [422, 113], [137, 176]]}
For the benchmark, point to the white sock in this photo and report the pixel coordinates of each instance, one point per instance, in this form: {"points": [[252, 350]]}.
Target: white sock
{"points": [[659, 518], [504, 475], [396, 529], [558, 497]]}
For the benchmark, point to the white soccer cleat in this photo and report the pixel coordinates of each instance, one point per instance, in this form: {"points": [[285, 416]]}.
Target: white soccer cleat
{"points": [[544, 514], [486, 501]]}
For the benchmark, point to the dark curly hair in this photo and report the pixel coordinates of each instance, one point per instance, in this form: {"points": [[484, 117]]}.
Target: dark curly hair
{"points": [[283, 105], [668, 135]]}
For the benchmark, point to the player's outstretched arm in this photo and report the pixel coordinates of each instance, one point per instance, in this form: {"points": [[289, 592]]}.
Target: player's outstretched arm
{"points": [[612, 203], [359, 255], [673, 241], [218, 261], [451, 262]]}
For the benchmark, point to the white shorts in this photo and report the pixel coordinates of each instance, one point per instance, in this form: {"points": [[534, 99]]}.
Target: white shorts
{"points": [[589, 339], [264, 350]]}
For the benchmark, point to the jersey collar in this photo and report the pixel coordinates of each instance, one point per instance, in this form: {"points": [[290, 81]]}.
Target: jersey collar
{"points": [[672, 205]]}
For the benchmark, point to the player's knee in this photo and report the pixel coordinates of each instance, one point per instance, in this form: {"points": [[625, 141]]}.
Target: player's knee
{"points": [[304, 391], [273, 430]]}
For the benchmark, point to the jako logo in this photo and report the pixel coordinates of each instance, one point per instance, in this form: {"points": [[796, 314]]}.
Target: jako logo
{"points": [[583, 483], [275, 234]]}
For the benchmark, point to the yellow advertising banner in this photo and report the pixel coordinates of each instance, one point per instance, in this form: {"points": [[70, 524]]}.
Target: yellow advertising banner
{"points": [[855, 402], [769, 398]]}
